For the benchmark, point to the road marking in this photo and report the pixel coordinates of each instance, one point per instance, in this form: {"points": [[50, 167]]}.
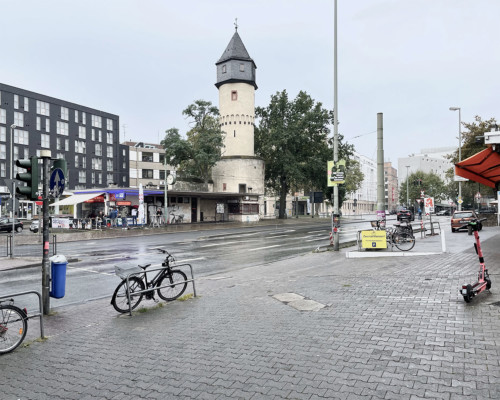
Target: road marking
{"points": [[91, 270], [190, 259], [266, 247], [113, 257], [219, 244], [276, 236]]}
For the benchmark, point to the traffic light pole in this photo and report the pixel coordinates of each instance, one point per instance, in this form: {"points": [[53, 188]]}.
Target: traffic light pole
{"points": [[45, 155], [13, 218]]}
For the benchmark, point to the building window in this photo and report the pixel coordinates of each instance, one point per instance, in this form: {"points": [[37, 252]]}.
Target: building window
{"points": [[84, 162], [3, 154], [234, 95], [76, 161], [82, 134], [224, 69], [3, 116], [47, 125], [109, 136], [21, 137], [109, 165], [147, 174], [3, 134], [64, 113], [84, 118], [147, 157], [26, 104], [16, 101], [45, 141], [97, 163], [242, 67], [38, 123], [98, 150], [62, 128], [80, 147], [224, 187], [96, 121], [2, 170], [82, 177], [18, 119], [109, 123], [76, 116], [110, 152], [42, 108], [162, 174], [62, 144]]}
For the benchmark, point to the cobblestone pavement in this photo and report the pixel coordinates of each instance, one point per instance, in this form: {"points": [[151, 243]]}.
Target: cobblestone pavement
{"points": [[391, 329]]}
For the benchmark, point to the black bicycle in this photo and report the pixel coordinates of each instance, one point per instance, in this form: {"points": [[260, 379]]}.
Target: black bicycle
{"points": [[401, 235], [169, 283], [13, 326]]}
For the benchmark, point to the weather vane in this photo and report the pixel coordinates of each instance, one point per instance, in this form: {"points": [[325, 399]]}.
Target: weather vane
{"points": [[236, 24]]}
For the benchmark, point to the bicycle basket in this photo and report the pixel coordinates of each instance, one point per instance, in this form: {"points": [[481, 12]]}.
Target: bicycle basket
{"points": [[124, 272]]}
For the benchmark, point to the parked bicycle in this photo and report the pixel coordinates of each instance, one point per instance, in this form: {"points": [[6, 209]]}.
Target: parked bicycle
{"points": [[400, 235], [169, 283], [13, 326]]}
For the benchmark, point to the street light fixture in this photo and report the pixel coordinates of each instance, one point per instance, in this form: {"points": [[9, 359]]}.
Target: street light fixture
{"points": [[459, 153], [407, 193]]}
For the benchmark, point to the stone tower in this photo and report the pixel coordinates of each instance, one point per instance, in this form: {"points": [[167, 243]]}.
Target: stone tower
{"points": [[239, 171]]}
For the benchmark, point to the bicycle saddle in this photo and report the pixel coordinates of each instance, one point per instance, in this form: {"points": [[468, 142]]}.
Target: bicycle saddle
{"points": [[144, 266]]}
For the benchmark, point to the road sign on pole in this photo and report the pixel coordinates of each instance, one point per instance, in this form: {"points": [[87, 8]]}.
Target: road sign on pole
{"points": [[57, 182]]}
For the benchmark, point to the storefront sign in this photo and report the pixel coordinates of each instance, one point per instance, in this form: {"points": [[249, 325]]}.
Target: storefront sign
{"points": [[373, 239], [117, 196], [123, 203], [60, 223], [220, 208]]}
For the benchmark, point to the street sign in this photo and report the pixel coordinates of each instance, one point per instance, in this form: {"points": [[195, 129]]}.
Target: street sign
{"points": [[422, 193], [429, 205], [336, 172], [57, 182]]}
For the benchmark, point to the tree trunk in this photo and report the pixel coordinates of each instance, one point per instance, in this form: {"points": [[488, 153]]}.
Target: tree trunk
{"points": [[283, 193]]}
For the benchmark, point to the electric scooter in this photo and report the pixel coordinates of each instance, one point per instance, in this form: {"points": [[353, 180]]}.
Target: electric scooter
{"points": [[483, 278]]}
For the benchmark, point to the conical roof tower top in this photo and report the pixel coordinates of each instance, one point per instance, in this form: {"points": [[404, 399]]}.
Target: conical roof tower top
{"points": [[235, 64]]}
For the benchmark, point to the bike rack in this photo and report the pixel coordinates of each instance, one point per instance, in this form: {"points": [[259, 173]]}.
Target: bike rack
{"points": [[156, 287], [40, 308]]}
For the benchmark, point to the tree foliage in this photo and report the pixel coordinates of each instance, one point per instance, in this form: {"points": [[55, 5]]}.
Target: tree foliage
{"points": [[471, 144], [430, 183], [292, 138], [196, 155]]}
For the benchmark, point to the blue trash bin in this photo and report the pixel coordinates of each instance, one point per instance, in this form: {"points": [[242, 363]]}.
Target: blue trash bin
{"points": [[58, 276]]}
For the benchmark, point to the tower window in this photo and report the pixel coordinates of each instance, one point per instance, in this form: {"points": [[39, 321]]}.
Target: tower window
{"points": [[242, 67], [224, 69], [234, 95], [234, 133]]}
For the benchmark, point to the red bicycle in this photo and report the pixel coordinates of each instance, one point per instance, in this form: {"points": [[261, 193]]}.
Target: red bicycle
{"points": [[483, 278]]}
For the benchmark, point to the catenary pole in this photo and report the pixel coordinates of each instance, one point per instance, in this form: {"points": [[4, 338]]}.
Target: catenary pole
{"points": [[45, 155], [335, 129], [380, 164]]}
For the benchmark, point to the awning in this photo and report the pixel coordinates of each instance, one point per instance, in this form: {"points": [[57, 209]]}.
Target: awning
{"points": [[482, 167], [76, 199]]}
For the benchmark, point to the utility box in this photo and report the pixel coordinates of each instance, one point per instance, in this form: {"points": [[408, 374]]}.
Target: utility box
{"points": [[58, 276]]}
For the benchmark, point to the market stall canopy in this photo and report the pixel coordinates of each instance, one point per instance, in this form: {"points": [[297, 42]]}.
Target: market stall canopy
{"points": [[76, 199], [482, 167]]}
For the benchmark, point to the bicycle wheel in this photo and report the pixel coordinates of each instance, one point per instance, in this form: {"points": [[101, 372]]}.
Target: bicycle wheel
{"points": [[120, 300], [403, 241], [13, 327], [176, 288]]}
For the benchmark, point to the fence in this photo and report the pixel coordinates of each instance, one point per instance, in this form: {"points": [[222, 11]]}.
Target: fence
{"points": [[24, 250]]}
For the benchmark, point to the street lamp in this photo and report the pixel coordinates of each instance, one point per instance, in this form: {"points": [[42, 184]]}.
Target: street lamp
{"points": [[407, 193], [459, 153], [12, 127]]}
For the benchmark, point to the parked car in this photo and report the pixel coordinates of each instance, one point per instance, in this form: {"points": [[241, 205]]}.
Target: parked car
{"points": [[6, 225], [459, 220], [405, 214], [443, 212], [35, 226]]}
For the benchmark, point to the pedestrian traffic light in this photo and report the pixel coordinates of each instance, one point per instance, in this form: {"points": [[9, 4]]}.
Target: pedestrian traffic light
{"points": [[30, 177]]}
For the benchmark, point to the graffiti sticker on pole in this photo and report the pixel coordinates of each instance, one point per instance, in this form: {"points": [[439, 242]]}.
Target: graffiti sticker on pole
{"points": [[336, 172]]}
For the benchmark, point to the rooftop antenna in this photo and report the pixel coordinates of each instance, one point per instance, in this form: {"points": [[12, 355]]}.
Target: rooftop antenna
{"points": [[236, 24]]}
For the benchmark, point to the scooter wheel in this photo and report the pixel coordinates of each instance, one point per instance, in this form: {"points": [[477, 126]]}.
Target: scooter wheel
{"points": [[468, 296], [488, 283]]}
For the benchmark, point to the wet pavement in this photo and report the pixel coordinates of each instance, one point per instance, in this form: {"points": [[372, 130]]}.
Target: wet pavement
{"points": [[316, 326]]}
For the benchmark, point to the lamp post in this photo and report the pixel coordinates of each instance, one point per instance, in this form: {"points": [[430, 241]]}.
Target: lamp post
{"points": [[13, 214], [459, 153], [407, 193], [165, 201]]}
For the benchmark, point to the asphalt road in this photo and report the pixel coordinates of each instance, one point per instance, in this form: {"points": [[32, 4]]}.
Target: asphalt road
{"points": [[209, 252]]}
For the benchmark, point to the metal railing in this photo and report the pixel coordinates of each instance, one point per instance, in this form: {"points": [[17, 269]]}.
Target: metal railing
{"points": [[24, 250], [40, 308], [127, 279]]}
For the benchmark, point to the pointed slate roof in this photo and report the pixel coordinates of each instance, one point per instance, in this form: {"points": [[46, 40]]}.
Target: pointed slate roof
{"points": [[235, 50]]}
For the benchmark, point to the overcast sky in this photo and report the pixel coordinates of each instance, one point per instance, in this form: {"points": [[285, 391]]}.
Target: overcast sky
{"points": [[146, 60]]}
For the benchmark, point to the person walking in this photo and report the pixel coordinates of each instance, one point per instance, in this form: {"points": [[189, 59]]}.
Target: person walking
{"points": [[134, 216]]}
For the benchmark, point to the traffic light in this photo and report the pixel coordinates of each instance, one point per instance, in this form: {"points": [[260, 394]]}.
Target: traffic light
{"points": [[62, 165], [30, 177]]}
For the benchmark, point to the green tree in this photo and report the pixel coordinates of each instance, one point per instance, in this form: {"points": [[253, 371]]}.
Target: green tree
{"points": [[292, 138], [471, 144], [430, 183], [196, 155]]}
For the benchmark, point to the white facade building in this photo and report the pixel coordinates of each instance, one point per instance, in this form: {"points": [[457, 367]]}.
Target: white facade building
{"points": [[429, 160]]}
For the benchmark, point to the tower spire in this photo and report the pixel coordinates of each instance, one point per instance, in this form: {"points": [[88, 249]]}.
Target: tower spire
{"points": [[236, 24]]}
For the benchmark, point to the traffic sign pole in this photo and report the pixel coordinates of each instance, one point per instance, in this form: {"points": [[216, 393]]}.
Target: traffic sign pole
{"points": [[45, 155]]}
